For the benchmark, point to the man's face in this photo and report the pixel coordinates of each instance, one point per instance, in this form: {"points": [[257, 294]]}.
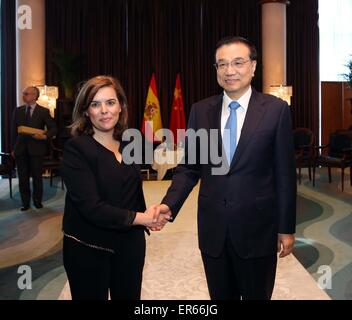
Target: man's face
{"points": [[29, 96], [235, 69]]}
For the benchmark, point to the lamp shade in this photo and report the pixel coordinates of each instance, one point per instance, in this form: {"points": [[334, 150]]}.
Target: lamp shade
{"points": [[282, 91], [47, 97]]}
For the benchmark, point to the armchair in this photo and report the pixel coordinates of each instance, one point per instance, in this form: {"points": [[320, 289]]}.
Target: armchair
{"points": [[52, 161], [339, 155], [303, 140], [6, 168]]}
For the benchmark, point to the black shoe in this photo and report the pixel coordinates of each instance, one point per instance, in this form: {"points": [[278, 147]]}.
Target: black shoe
{"points": [[25, 208], [38, 205]]}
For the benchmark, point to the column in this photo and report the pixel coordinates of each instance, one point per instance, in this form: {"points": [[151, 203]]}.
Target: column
{"points": [[274, 43], [30, 42]]}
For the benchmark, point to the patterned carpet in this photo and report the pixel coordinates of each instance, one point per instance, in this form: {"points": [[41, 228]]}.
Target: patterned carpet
{"points": [[34, 238]]}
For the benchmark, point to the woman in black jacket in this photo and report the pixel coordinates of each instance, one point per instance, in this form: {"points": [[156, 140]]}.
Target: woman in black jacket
{"points": [[105, 214]]}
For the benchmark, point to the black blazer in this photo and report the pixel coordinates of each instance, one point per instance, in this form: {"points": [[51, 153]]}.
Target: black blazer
{"points": [[256, 199], [40, 118], [102, 195]]}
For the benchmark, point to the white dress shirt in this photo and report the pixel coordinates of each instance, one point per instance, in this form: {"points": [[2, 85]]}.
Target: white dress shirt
{"points": [[240, 112]]}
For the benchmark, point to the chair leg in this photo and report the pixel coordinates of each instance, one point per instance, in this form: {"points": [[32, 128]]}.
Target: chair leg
{"points": [[342, 178], [310, 173], [62, 183], [10, 184], [329, 171], [314, 175], [351, 176], [51, 178], [299, 174]]}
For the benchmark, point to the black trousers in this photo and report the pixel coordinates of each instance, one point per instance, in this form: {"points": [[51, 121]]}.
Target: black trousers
{"points": [[93, 272], [229, 277], [27, 166]]}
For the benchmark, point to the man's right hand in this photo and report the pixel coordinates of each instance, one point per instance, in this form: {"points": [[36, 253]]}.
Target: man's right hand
{"points": [[13, 154], [152, 218], [164, 211], [164, 208]]}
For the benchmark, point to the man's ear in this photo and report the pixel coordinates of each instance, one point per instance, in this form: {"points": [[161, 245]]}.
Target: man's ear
{"points": [[254, 67]]}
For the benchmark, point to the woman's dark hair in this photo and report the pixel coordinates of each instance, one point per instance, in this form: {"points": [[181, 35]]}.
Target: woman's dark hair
{"points": [[81, 123]]}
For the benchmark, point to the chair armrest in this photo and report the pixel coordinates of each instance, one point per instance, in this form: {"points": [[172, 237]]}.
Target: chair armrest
{"points": [[306, 146], [301, 149], [56, 149], [322, 146], [347, 153], [8, 158], [5, 154]]}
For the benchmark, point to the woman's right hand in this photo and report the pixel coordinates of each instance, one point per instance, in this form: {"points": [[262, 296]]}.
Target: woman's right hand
{"points": [[150, 218]]}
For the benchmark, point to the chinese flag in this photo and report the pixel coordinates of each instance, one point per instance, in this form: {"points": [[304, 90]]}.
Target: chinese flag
{"points": [[178, 120], [152, 117]]}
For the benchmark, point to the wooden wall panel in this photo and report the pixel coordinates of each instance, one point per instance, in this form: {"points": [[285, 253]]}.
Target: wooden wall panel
{"points": [[347, 116], [332, 112]]}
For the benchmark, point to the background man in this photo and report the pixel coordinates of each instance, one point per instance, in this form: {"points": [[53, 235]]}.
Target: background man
{"points": [[29, 150]]}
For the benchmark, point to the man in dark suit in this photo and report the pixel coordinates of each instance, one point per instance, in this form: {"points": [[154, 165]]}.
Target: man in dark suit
{"points": [[29, 150], [246, 214]]}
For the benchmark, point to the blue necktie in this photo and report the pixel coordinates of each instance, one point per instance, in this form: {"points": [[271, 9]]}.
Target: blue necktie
{"points": [[230, 135]]}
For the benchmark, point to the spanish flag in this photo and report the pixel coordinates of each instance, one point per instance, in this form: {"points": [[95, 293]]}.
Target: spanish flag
{"points": [[178, 120], [152, 118]]}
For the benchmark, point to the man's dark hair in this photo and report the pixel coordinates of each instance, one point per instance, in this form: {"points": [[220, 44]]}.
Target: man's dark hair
{"points": [[235, 39]]}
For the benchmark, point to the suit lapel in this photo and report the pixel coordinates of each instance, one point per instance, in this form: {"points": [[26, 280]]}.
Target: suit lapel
{"points": [[35, 111], [253, 117], [215, 119], [22, 112]]}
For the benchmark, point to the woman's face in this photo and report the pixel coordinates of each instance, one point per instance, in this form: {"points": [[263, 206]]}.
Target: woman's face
{"points": [[104, 110]]}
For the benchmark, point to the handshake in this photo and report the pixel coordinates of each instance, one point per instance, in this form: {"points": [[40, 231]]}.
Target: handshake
{"points": [[154, 218]]}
